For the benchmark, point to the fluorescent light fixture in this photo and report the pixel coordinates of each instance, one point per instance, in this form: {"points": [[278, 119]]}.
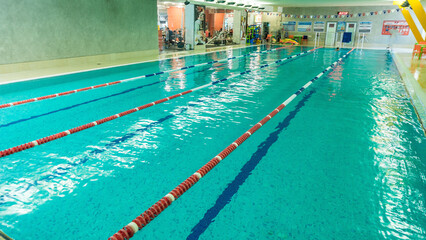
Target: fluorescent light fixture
{"points": [[240, 4], [261, 8], [254, 7], [209, 0], [221, 1], [231, 3], [248, 5]]}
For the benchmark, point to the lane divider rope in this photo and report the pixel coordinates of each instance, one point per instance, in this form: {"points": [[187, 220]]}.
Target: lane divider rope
{"points": [[44, 140], [6, 105], [146, 217]]}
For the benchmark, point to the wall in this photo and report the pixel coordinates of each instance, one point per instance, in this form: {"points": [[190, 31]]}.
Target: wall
{"points": [[374, 39], [174, 18], [273, 20], [210, 22], [218, 21], [251, 18], [53, 29]]}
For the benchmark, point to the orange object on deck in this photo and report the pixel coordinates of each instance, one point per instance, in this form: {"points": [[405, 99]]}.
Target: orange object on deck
{"points": [[419, 49]]}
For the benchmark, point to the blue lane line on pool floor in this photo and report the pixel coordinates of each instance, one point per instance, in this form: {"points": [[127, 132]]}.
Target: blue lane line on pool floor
{"points": [[94, 100], [106, 97], [198, 65], [64, 170], [245, 172]]}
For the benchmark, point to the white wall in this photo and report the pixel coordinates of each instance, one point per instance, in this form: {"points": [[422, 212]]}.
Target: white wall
{"points": [[374, 39], [273, 20]]}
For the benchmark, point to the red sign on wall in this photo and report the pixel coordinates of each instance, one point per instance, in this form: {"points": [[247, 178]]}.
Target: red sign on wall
{"points": [[392, 26]]}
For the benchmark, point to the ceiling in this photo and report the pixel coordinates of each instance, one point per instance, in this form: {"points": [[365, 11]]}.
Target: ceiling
{"points": [[299, 3]]}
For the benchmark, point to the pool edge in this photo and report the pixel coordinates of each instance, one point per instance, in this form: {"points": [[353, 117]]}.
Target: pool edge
{"points": [[3, 236], [413, 89]]}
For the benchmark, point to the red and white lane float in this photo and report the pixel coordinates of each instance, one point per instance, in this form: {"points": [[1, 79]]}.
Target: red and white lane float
{"points": [[50, 138], [146, 217], [6, 105]]}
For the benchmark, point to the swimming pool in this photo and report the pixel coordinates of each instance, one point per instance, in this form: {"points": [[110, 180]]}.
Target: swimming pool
{"points": [[342, 161]]}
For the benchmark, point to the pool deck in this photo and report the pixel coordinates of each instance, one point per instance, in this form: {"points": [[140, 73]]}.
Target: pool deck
{"points": [[413, 72]]}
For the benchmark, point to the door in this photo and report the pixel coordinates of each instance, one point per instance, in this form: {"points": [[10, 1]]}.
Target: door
{"points": [[350, 27], [330, 35]]}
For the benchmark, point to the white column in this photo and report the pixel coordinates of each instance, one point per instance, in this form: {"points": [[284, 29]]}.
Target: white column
{"points": [[189, 25], [236, 38]]}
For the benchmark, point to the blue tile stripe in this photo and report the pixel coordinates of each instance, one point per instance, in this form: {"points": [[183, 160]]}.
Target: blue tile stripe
{"points": [[147, 216], [64, 169], [262, 66], [7, 105], [65, 133], [226, 196]]}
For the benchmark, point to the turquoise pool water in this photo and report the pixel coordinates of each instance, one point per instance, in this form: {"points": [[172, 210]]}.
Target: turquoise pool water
{"points": [[345, 160]]}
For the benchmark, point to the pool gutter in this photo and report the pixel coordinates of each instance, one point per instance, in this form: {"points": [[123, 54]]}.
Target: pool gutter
{"points": [[417, 96]]}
